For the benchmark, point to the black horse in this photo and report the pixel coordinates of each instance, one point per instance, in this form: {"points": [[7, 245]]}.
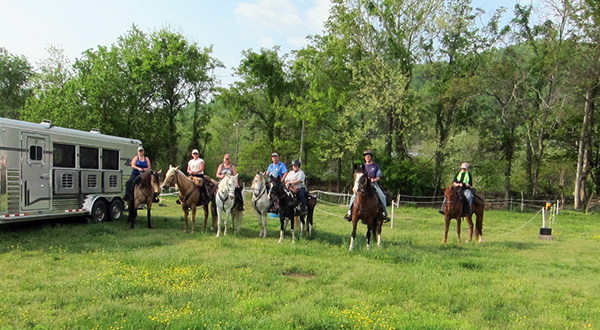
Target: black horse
{"points": [[289, 207]]}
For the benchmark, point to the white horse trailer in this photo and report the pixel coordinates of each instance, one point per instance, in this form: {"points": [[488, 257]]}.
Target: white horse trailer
{"points": [[53, 172]]}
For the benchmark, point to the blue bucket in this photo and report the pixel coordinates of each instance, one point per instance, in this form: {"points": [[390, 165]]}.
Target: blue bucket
{"points": [[273, 215]]}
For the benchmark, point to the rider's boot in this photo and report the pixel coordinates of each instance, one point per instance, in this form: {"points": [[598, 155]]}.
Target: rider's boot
{"points": [[384, 215], [348, 216]]}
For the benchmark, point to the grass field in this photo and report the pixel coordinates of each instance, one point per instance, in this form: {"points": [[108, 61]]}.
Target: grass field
{"points": [[72, 275]]}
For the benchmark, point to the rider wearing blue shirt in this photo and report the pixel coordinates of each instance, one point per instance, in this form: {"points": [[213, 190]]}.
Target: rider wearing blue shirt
{"points": [[276, 169]]}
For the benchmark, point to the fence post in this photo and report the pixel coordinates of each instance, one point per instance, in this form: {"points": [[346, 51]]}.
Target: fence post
{"points": [[557, 206], [511, 205], [522, 202]]}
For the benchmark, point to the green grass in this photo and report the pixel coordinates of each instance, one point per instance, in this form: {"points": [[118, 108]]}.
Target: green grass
{"points": [[72, 275]]}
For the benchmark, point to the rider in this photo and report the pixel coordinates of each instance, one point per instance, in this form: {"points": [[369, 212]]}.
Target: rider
{"points": [[277, 169], [196, 168], [139, 164], [297, 178], [228, 168], [463, 179], [374, 172]]}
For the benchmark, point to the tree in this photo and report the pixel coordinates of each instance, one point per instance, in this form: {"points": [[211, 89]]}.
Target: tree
{"points": [[15, 86]]}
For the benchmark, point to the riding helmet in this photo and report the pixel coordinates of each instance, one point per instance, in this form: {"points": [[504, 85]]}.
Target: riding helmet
{"points": [[368, 152], [296, 162]]}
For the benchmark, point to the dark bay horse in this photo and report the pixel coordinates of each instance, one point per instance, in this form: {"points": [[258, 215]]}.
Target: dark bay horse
{"points": [[454, 209], [145, 189], [189, 196], [365, 208], [289, 207]]}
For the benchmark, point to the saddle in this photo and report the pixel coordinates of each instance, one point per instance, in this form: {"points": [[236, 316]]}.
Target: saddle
{"points": [[198, 182]]}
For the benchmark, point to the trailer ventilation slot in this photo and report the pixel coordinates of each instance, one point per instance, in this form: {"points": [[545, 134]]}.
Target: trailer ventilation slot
{"points": [[113, 181], [66, 181], [92, 181]]}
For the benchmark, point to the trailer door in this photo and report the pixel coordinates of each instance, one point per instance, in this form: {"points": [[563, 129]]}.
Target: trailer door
{"points": [[35, 169]]}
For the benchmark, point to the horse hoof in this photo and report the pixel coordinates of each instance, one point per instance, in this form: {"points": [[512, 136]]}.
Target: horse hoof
{"points": [[280, 241], [150, 227]]}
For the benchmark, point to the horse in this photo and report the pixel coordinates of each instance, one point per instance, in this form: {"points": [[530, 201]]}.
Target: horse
{"points": [[189, 195], [453, 209], [225, 200], [288, 206], [365, 208], [261, 201], [145, 189], [311, 203]]}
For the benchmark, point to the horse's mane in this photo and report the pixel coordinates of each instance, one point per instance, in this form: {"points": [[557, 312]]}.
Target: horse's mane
{"points": [[146, 179]]}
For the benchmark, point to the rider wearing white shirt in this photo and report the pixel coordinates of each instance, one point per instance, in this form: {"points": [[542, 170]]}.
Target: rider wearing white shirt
{"points": [[196, 165]]}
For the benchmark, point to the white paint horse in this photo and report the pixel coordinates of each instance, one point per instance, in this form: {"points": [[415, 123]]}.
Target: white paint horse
{"points": [[261, 201], [225, 199]]}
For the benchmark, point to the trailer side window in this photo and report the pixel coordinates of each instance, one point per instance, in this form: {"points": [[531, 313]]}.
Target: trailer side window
{"points": [[63, 155], [110, 159], [35, 153], [88, 157]]}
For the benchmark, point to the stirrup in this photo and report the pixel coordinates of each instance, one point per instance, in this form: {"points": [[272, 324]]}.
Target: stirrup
{"points": [[348, 217], [441, 212], [385, 218]]}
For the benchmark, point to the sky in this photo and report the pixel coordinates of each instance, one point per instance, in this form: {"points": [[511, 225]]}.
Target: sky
{"points": [[29, 27]]}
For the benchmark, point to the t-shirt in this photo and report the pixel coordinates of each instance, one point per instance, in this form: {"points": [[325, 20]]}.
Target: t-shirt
{"points": [[277, 170], [373, 170], [293, 176], [195, 164]]}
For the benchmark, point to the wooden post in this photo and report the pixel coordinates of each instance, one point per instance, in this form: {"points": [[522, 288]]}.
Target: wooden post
{"points": [[522, 202]]}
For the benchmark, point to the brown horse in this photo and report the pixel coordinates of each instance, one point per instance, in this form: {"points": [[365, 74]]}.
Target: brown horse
{"points": [[189, 195], [365, 208], [453, 209], [145, 189]]}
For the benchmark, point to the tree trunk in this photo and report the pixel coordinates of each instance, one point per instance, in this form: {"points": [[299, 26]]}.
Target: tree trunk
{"points": [[584, 150]]}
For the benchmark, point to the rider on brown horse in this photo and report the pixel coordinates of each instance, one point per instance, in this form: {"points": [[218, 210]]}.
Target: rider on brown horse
{"points": [[374, 172], [463, 179]]}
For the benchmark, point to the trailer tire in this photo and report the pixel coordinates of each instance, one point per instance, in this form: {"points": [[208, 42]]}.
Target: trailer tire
{"points": [[99, 211], [116, 209]]}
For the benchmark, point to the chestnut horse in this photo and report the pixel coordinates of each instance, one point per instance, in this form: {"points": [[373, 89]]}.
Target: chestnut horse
{"points": [[365, 208], [146, 188], [189, 196], [453, 209]]}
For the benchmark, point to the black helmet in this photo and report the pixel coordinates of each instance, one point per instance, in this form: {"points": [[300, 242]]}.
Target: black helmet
{"points": [[296, 162], [368, 152]]}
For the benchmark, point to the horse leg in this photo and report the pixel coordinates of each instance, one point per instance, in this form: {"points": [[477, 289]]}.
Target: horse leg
{"points": [[281, 228], [260, 224], [292, 225], [219, 221], [353, 235], [379, 225], [458, 220], [205, 217], [185, 216], [470, 222], [447, 221], [369, 230], [148, 215], [194, 218], [132, 214], [227, 216], [479, 227]]}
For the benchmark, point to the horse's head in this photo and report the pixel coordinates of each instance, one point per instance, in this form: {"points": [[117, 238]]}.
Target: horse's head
{"points": [[361, 180], [170, 177], [258, 182], [228, 185], [155, 182]]}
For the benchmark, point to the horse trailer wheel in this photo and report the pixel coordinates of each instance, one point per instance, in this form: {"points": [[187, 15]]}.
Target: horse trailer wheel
{"points": [[116, 209], [99, 211]]}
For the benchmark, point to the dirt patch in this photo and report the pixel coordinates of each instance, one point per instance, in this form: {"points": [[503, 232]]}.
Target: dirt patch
{"points": [[298, 275]]}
